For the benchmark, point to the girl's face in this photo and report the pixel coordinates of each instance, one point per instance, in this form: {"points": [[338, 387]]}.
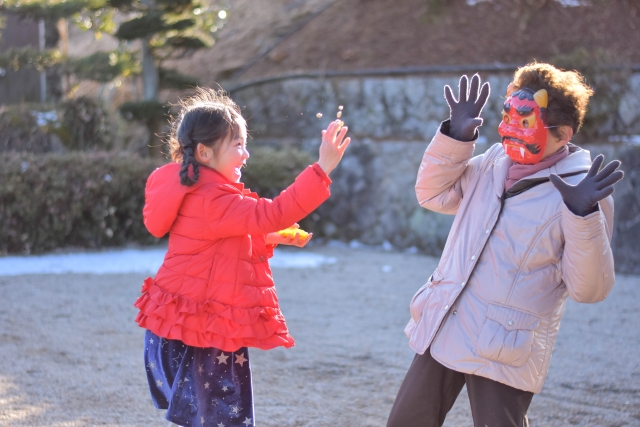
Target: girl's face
{"points": [[231, 156]]}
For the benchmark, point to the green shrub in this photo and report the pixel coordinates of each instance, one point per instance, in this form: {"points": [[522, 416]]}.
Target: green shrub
{"points": [[270, 170], [75, 124], [84, 125], [81, 199], [20, 131], [102, 66], [171, 79], [95, 199], [144, 111]]}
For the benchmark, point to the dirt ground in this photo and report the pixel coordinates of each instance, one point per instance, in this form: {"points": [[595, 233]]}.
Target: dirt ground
{"points": [[72, 355]]}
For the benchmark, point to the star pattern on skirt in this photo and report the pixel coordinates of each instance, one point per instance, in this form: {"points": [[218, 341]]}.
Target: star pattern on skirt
{"points": [[240, 359], [179, 356], [192, 404], [194, 367]]}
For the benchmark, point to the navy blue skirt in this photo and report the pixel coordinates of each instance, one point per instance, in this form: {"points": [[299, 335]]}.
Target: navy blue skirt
{"points": [[200, 387]]}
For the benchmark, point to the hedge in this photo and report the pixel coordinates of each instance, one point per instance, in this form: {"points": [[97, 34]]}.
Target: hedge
{"points": [[78, 124], [87, 200], [94, 200], [269, 170]]}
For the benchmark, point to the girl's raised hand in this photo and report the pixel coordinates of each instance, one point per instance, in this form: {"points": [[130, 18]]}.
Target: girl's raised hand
{"points": [[333, 146]]}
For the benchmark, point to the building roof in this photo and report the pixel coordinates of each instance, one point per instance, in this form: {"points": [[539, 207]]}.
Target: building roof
{"points": [[383, 34]]}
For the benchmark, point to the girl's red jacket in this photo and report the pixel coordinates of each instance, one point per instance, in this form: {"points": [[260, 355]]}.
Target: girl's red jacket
{"points": [[215, 287]]}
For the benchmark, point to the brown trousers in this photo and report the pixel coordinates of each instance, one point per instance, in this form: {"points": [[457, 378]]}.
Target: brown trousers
{"points": [[429, 391]]}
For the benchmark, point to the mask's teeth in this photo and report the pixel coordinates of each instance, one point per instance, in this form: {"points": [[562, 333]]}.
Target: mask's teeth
{"points": [[522, 151]]}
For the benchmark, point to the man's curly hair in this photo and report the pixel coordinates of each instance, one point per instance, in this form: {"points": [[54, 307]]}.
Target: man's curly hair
{"points": [[568, 92]]}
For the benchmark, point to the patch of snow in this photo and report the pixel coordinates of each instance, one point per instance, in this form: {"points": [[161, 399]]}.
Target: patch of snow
{"points": [[43, 118], [625, 139], [108, 262], [411, 250], [387, 246], [355, 244], [572, 3], [333, 243], [286, 259], [143, 261]]}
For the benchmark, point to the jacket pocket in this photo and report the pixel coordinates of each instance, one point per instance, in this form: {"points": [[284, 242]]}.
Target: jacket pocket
{"points": [[507, 335], [419, 300]]}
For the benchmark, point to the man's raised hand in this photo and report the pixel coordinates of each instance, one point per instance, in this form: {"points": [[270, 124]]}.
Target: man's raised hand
{"points": [[582, 199], [465, 111]]}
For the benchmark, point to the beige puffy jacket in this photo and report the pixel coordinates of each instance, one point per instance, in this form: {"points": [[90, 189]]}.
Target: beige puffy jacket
{"points": [[493, 305]]}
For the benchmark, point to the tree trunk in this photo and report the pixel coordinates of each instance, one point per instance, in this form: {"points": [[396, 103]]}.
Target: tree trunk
{"points": [[150, 84], [149, 73], [150, 93]]}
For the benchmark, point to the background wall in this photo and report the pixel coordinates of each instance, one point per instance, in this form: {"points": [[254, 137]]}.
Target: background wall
{"points": [[22, 85]]}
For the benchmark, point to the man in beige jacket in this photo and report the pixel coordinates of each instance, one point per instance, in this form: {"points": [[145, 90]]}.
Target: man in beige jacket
{"points": [[533, 224]]}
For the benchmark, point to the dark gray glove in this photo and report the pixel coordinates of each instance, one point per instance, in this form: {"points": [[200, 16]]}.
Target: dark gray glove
{"points": [[465, 112], [582, 199]]}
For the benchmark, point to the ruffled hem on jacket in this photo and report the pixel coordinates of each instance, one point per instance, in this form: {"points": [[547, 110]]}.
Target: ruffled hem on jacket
{"points": [[210, 324]]}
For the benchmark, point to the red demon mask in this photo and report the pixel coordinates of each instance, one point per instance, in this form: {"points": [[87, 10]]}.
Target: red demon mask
{"points": [[523, 127]]}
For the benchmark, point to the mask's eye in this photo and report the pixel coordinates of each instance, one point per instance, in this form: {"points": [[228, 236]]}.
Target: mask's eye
{"points": [[505, 118], [529, 121]]}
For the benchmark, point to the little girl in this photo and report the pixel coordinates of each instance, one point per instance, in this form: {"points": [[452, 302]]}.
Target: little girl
{"points": [[214, 296]]}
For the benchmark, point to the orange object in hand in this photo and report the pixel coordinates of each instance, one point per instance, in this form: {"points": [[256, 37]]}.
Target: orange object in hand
{"points": [[291, 233]]}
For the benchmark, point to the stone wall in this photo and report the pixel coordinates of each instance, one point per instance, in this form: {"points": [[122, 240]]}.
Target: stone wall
{"points": [[391, 121], [626, 236]]}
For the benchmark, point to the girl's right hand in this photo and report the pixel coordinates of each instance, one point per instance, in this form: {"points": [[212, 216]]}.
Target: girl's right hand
{"points": [[333, 146], [297, 240]]}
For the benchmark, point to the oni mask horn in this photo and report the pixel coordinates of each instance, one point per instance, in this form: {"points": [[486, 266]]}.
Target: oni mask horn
{"points": [[542, 98]]}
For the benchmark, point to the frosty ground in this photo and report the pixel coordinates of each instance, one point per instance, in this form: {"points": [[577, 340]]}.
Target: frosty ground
{"points": [[72, 355]]}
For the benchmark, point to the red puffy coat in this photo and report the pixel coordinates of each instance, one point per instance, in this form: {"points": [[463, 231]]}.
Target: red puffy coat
{"points": [[215, 287]]}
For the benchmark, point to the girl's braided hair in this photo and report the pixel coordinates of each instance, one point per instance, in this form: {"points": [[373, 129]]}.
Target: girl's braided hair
{"points": [[208, 118]]}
